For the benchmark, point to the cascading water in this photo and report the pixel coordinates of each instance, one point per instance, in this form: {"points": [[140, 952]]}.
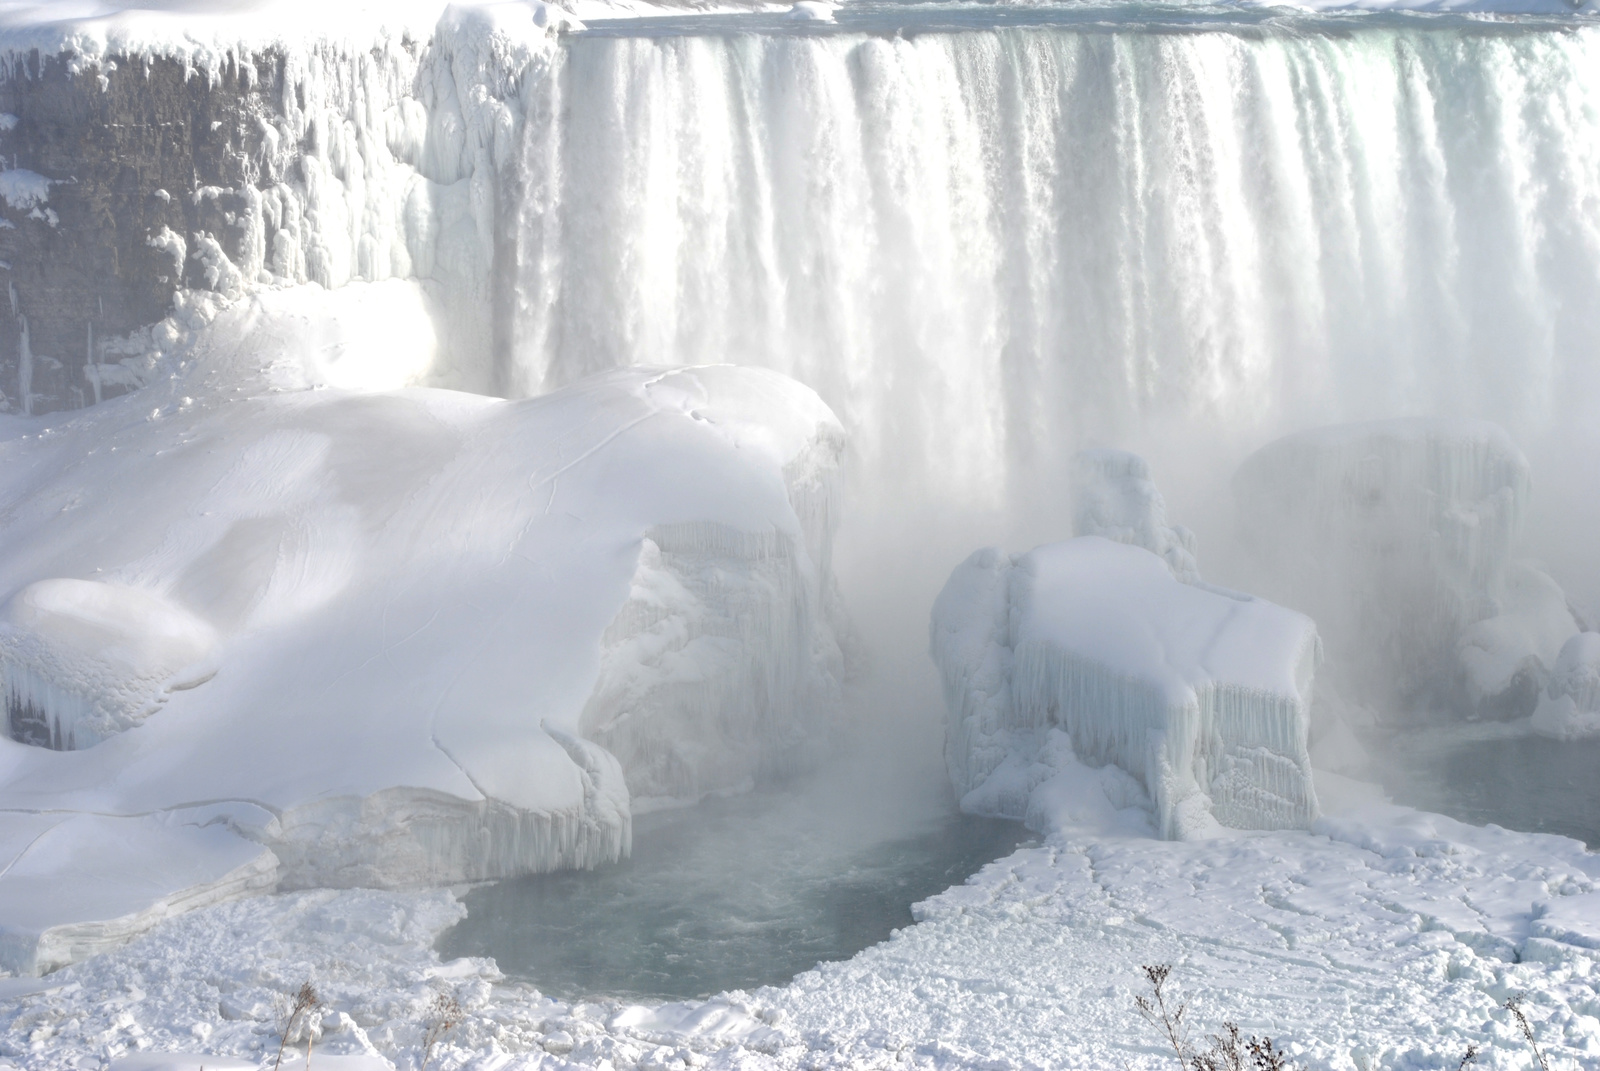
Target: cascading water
{"points": [[987, 246]]}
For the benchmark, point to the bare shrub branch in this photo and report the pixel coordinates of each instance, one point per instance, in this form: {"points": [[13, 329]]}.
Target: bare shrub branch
{"points": [[1514, 1006], [291, 1010], [444, 1014], [1165, 1016]]}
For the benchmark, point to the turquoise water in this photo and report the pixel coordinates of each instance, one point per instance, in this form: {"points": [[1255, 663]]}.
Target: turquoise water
{"points": [[732, 894]]}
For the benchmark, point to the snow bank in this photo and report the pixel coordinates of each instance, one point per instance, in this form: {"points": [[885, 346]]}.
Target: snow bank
{"points": [[1113, 496], [451, 636], [1202, 694], [1397, 536]]}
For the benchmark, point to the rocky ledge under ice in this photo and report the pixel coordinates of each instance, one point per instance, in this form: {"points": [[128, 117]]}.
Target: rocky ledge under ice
{"points": [[317, 638], [1200, 693]]}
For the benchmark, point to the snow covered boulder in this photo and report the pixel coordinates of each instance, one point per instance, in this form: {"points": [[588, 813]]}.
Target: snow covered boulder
{"points": [[453, 637], [1202, 694], [1397, 537], [1113, 496], [1569, 706], [81, 660]]}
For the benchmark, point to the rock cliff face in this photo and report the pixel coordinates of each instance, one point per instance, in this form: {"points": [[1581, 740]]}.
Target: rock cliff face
{"points": [[112, 169]]}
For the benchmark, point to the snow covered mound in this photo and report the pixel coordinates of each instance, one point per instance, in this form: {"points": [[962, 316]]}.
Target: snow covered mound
{"points": [[1202, 694], [1397, 537], [1113, 496], [1570, 704], [81, 660], [447, 637]]}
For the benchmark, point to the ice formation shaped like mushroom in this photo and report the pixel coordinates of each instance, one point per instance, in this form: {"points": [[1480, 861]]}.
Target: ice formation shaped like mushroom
{"points": [[1200, 693]]}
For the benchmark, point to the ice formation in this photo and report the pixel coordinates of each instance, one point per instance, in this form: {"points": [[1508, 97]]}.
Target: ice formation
{"points": [[1569, 705], [1113, 496], [1398, 537], [1200, 693], [389, 638]]}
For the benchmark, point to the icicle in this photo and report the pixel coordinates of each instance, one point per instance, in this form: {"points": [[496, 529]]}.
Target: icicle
{"points": [[25, 367], [91, 367]]}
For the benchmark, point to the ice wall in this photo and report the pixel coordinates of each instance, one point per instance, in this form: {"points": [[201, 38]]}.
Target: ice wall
{"points": [[1398, 537], [1202, 694]]}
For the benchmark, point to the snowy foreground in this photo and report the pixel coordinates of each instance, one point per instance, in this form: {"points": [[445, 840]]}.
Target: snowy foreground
{"points": [[1384, 938]]}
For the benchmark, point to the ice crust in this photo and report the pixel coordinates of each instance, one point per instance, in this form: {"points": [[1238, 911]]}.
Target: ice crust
{"points": [[415, 637], [1200, 693], [1398, 537]]}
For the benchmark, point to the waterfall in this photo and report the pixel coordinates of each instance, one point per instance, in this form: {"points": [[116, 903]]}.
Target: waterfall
{"points": [[984, 247]]}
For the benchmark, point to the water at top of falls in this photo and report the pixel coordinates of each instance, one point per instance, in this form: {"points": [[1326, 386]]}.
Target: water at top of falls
{"points": [[954, 16]]}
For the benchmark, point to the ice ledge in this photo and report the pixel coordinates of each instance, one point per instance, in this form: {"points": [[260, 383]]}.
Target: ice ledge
{"points": [[75, 885]]}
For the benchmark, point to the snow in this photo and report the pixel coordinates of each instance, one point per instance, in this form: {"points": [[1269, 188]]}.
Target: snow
{"points": [[20, 188], [1383, 938], [378, 634], [1398, 537], [1200, 693]]}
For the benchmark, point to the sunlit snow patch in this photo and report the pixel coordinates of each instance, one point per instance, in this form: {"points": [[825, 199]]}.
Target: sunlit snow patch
{"points": [[1202, 694]]}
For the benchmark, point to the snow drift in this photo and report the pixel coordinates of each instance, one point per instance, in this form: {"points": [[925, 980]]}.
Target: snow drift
{"points": [[1202, 694], [405, 637], [1398, 537]]}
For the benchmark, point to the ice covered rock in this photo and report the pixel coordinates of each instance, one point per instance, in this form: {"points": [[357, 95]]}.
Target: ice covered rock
{"points": [[1505, 659], [1397, 537], [1200, 693], [1113, 496], [81, 660], [448, 631], [1569, 705]]}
